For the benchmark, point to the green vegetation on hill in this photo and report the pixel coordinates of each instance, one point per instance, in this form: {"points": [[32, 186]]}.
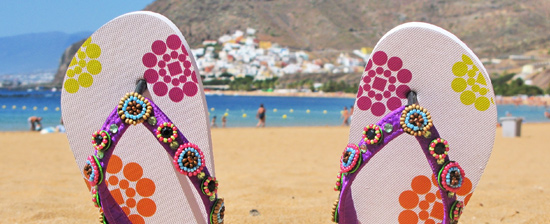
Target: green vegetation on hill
{"points": [[505, 86]]}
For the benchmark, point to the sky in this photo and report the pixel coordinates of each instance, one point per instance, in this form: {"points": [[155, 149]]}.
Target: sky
{"points": [[69, 16]]}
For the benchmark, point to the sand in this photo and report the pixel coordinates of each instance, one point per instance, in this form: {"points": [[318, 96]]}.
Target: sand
{"points": [[287, 174]]}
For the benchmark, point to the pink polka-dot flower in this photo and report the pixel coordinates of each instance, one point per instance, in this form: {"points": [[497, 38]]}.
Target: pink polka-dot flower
{"points": [[383, 85], [169, 69]]}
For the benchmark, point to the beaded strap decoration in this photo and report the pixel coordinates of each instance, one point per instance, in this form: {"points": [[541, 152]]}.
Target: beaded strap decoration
{"points": [[218, 212], [450, 177], [439, 148], [189, 159], [416, 121], [372, 134], [351, 158], [456, 211], [135, 109], [101, 140]]}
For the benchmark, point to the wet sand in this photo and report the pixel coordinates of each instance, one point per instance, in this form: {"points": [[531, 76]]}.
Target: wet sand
{"points": [[287, 174]]}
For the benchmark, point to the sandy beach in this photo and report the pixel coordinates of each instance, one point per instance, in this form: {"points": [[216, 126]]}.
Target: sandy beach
{"points": [[269, 170]]}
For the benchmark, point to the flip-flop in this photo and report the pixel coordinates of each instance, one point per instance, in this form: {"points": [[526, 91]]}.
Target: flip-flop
{"points": [[146, 156], [422, 131]]}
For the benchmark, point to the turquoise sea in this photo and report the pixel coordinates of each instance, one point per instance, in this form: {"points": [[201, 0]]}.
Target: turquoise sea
{"points": [[16, 107]]}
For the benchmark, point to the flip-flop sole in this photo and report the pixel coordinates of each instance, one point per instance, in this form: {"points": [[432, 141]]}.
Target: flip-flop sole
{"points": [[140, 175], [396, 185]]}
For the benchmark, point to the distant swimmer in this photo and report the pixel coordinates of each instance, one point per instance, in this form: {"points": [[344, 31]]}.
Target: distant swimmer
{"points": [[547, 114], [35, 123], [261, 116], [345, 115], [213, 124], [224, 121]]}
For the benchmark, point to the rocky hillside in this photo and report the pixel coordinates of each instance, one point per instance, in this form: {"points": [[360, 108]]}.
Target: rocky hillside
{"points": [[491, 28]]}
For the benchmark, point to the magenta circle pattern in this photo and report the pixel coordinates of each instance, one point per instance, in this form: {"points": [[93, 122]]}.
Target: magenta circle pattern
{"points": [[169, 69], [384, 84]]}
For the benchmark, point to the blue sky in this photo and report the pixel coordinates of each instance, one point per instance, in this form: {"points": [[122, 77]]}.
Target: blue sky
{"points": [[69, 16]]}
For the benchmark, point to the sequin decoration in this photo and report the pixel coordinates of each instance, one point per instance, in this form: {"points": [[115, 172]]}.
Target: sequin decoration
{"points": [[210, 186], [351, 159], [93, 171], [416, 120], [189, 159], [372, 134], [456, 211], [335, 211], [218, 212], [450, 177], [167, 132], [101, 140], [133, 108], [438, 149], [338, 185]]}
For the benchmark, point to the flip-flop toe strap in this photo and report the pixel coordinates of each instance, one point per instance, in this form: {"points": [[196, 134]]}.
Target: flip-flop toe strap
{"points": [[170, 137], [375, 138]]}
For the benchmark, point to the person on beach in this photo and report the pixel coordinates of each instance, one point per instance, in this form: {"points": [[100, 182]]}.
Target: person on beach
{"points": [[261, 116], [345, 115], [213, 124], [224, 121], [35, 123]]}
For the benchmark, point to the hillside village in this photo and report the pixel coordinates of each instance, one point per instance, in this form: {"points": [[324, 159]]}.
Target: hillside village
{"points": [[242, 54]]}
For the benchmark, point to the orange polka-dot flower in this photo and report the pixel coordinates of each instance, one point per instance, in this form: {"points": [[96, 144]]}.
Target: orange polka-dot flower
{"points": [[425, 198], [134, 187]]}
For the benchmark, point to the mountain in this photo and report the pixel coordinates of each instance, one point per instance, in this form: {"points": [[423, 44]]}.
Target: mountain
{"points": [[490, 28], [28, 53]]}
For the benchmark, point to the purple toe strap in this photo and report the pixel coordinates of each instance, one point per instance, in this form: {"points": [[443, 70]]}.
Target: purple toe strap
{"points": [[346, 209], [112, 211]]}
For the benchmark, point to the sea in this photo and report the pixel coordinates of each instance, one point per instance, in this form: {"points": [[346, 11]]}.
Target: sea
{"points": [[17, 106]]}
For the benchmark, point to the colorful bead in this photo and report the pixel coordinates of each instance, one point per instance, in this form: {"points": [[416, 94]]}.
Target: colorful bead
{"points": [[338, 185], [167, 132], [427, 134], [189, 159], [456, 211], [201, 176], [93, 172], [415, 120], [99, 154], [218, 212], [133, 108], [113, 128], [335, 211], [351, 159], [439, 149], [174, 145], [450, 176], [363, 148], [372, 134], [152, 120], [101, 140], [388, 127], [210, 186]]}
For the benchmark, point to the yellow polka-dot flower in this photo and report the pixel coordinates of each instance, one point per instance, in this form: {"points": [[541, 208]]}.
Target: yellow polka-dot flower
{"points": [[473, 87], [83, 67]]}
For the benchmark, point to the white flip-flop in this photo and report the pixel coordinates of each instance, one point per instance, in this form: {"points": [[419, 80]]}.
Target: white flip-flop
{"points": [[422, 131], [137, 123]]}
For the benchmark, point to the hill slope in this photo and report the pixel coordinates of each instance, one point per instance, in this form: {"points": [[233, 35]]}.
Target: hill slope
{"points": [[491, 28]]}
